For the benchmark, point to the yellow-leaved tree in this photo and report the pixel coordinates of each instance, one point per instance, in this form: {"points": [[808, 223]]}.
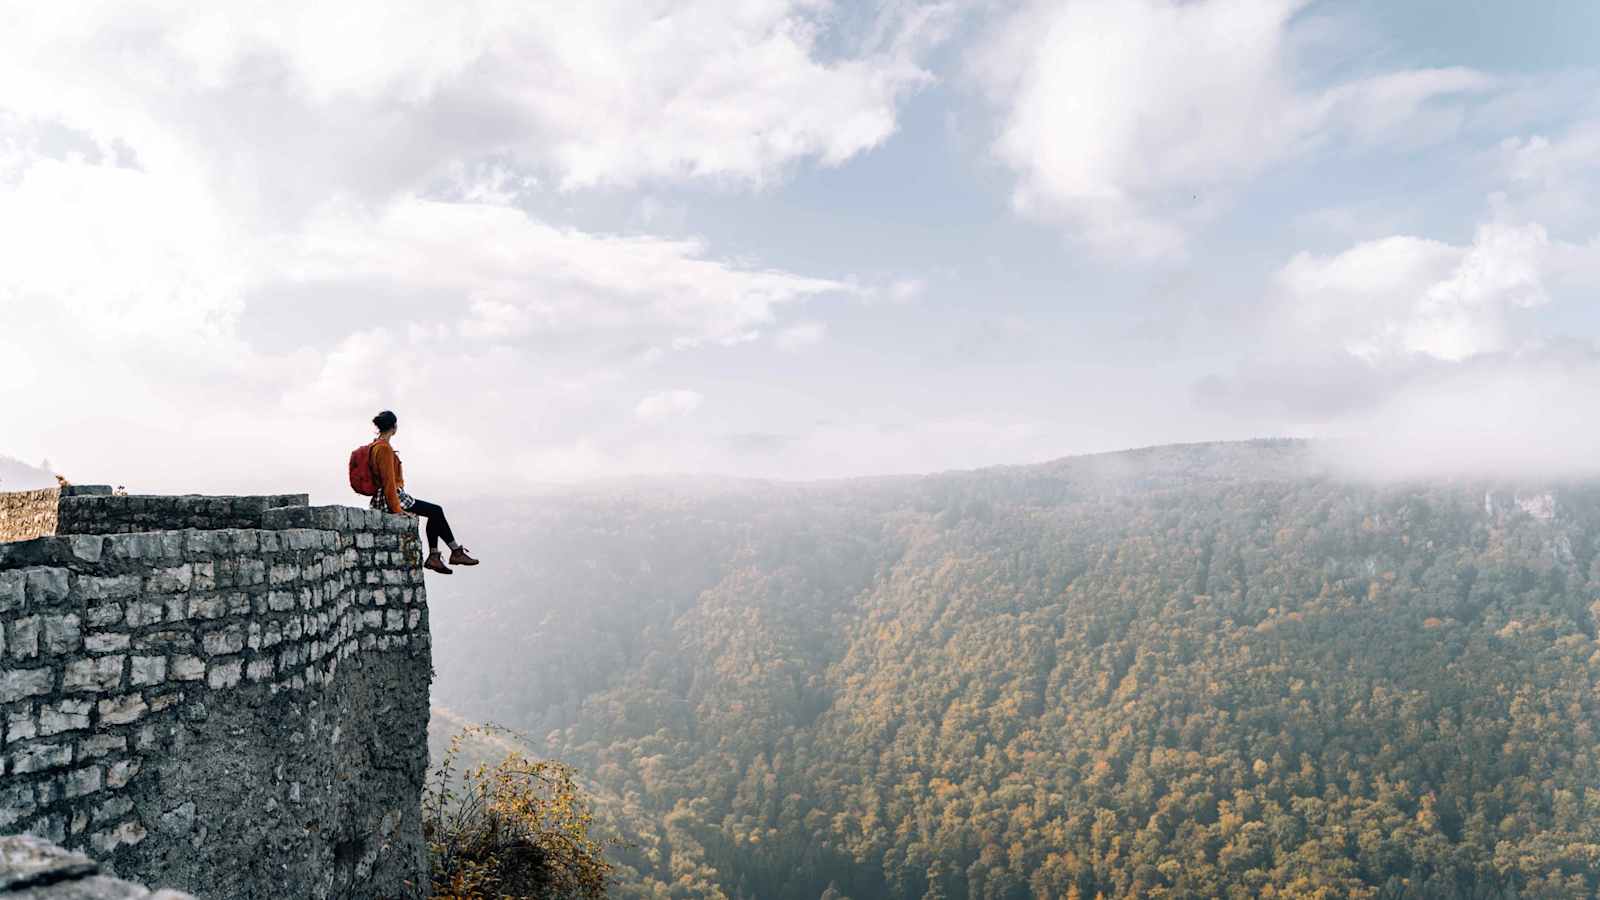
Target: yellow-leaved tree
{"points": [[516, 828]]}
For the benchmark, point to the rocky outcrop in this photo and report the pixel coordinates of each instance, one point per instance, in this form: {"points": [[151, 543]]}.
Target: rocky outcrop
{"points": [[32, 868]]}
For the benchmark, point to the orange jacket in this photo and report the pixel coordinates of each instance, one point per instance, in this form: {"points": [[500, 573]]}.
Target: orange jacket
{"points": [[391, 476]]}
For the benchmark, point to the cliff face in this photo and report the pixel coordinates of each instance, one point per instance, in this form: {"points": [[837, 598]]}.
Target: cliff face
{"points": [[231, 700]]}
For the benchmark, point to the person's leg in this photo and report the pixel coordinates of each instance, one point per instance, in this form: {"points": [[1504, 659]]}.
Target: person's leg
{"points": [[437, 525]]}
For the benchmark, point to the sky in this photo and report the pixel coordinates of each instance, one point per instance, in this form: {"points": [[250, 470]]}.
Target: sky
{"points": [[791, 238]]}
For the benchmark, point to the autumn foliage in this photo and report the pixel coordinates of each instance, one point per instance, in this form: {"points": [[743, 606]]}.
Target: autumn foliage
{"points": [[516, 828]]}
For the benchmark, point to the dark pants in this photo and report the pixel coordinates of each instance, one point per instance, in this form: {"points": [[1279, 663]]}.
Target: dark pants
{"points": [[438, 526]]}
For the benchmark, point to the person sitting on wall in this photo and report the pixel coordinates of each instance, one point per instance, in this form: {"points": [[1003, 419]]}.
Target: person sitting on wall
{"points": [[391, 495]]}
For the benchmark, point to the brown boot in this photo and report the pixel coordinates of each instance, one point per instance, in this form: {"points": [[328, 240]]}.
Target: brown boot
{"points": [[436, 564], [460, 557]]}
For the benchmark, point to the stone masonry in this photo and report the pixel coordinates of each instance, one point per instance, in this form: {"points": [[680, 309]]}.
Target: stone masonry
{"points": [[235, 707], [25, 515], [28, 514]]}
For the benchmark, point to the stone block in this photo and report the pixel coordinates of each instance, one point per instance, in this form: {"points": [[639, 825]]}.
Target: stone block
{"points": [[15, 684], [259, 669], [224, 674], [112, 809], [61, 634], [142, 546], [105, 642], [201, 543], [40, 758], [87, 547], [123, 710], [13, 591], [304, 539], [83, 781], [108, 587], [169, 580], [179, 820], [97, 673], [16, 803], [47, 586], [181, 640], [101, 744], [104, 614], [144, 612], [120, 773], [128, 833], [172, 543], [145, 670], [221, 643], [252, 571], [63, 715], [209, 607], [21, 724], [158, 702], [188, 668], [24, 642]]}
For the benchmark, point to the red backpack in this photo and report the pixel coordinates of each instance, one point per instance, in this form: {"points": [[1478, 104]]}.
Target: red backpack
{"points": [[363, 480]]}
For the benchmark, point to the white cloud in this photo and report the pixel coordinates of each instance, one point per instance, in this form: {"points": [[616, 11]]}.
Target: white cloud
{"points": [[522, 275], [281, 106], [1553, 179], [131, 255], [501, 327], [176, 180], [905, 290], [800, 336], [1520, 418], [1401, 296], [1129, 120], [668, 405]]}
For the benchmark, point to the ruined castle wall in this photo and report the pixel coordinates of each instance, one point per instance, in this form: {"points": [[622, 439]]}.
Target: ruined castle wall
{"points": [[25, 515], [81, 514], [236, 712]]}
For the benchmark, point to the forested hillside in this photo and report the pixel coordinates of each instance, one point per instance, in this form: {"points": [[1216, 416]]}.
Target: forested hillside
{"points": [[1204, 671]]}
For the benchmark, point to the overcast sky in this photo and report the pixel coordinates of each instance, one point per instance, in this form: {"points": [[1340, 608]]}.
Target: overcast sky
{"points": [[789, 238]]}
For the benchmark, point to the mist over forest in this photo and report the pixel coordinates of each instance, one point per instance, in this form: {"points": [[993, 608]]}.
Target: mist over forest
{"points": [[1212, 670], [675, 306]]}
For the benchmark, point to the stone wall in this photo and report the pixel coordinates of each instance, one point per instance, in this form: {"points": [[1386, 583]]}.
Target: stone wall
{"points": [[27, 514], [90, 514], [237, 712]]}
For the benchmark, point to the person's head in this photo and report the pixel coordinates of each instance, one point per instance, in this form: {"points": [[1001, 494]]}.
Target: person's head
{"points": [[385, 422]]}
